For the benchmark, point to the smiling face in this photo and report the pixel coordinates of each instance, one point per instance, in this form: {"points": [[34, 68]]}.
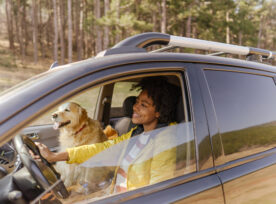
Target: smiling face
{"points": [[144, 112]]}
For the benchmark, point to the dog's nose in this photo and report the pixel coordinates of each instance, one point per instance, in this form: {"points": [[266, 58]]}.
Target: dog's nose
{"points": [[54, 115]]}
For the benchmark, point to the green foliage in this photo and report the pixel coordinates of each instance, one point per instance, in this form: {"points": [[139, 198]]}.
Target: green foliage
{"points": [[246, 22]]}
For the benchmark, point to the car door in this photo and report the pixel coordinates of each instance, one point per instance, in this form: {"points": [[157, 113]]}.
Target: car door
{"points": [[195, 178], [199, 183], [242, 115]]}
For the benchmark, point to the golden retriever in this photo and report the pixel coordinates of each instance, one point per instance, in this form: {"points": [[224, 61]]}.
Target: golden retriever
{"points": [[76, 129]]}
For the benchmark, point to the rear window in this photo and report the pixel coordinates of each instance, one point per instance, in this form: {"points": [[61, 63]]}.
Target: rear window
{"points": [[245, 106]]}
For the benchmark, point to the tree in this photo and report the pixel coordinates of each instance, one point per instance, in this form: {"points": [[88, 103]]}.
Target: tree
{"points": [[55, 31], [117, 18], [9, 8], [81, 35], [100, 24], [163, 16], [97, 11], [70, 31], [61, 14], [106, 27], [34, 20]]}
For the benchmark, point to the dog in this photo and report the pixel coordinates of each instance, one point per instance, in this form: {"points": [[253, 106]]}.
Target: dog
{"points": [[76, 129]]}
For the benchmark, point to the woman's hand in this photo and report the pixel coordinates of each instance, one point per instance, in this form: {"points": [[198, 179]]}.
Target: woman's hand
{"points": [[48, 155], [45, 152]]}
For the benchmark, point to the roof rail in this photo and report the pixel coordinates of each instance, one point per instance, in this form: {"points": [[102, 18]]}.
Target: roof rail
{"points": [[139, 42]]}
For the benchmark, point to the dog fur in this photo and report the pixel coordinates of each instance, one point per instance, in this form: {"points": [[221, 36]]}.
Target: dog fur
{"points": [[77, 129]]}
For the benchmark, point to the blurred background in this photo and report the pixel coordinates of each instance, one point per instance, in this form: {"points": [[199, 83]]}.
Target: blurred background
{"points": [[35, 33]]}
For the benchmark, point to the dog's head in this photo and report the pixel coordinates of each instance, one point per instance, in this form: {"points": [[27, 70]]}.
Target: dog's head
{"points": [[69, 115]]}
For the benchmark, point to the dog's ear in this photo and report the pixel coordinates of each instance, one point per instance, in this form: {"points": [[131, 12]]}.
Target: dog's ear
{"points": [[83, 114]]}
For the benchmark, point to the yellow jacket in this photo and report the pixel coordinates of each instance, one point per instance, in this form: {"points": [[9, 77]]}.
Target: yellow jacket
{"points": [[145, 170]]}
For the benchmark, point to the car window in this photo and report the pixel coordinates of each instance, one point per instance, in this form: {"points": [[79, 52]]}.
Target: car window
{"points": [[86, 99], [121, 91], [148, 158], [245, 109]]}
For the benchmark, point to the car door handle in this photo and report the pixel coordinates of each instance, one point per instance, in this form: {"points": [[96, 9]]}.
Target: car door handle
{"points": [[33, 135]]}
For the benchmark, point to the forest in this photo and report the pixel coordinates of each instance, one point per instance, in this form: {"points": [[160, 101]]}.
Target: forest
{"points": [[72, 30]]}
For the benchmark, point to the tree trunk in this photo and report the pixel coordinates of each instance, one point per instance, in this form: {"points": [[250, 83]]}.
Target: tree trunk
{"points": [[163, 16], [17, 23], [227, 28], [25, 29], [188, 26], [240, 37], [55, 31], [260, 33], [10, 23], [20, 28], [106, 27], [117, 35], [76, 27], [61, 31], [69, 32], [34, 19], [85, 36], [81, 36], [24, 35], [154, 20], [49, 24], [41, 31], [97, 11]]}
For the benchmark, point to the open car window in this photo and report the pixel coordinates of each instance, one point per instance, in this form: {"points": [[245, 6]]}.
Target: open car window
{"points": [[86, 99]]}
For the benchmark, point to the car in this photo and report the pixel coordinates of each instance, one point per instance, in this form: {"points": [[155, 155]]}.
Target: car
{"points": [[224, 137]]}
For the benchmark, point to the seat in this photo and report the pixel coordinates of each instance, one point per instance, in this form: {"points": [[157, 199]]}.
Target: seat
{"points": [[124, 124]]}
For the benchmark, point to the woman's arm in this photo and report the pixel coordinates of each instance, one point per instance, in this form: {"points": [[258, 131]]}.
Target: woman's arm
{"points": [[79, 154], [50, 156]]}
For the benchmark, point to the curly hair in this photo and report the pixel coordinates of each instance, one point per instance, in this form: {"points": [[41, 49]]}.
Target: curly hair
{"points": [[164, 95]]}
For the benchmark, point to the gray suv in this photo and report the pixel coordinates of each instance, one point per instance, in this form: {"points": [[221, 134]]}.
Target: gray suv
{"points": [[224, 137]]}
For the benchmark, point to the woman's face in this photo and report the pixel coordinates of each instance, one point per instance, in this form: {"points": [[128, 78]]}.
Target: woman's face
{"points": [[144, 112]]}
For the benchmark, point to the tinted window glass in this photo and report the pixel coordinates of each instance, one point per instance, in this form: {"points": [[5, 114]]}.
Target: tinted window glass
{"points": [[245, 109]]}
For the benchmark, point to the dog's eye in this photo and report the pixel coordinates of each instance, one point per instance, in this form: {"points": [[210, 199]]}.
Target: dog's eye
{"points": [[67, 110]]}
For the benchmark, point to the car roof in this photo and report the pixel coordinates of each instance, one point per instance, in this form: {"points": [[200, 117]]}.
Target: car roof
{"points": [[33, 89]]}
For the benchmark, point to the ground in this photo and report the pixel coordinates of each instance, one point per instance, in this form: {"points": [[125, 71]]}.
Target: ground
{"points": [[15, 69]]}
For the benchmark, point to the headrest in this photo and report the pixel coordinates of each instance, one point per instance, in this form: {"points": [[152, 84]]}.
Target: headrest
{"points": [[128, 105]]}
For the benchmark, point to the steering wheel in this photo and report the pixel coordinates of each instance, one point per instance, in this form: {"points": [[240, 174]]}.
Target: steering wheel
{"points": [[43, 172]]}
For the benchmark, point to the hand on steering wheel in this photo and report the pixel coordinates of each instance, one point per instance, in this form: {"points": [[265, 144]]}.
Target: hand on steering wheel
{"points": [[43, 172]]}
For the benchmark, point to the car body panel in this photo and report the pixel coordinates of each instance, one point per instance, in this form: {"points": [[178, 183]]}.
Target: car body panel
{"points": [[196, 186], [251, 182]]}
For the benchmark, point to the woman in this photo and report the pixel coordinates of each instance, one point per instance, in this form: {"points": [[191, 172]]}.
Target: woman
{"points": [[154, 108]]}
